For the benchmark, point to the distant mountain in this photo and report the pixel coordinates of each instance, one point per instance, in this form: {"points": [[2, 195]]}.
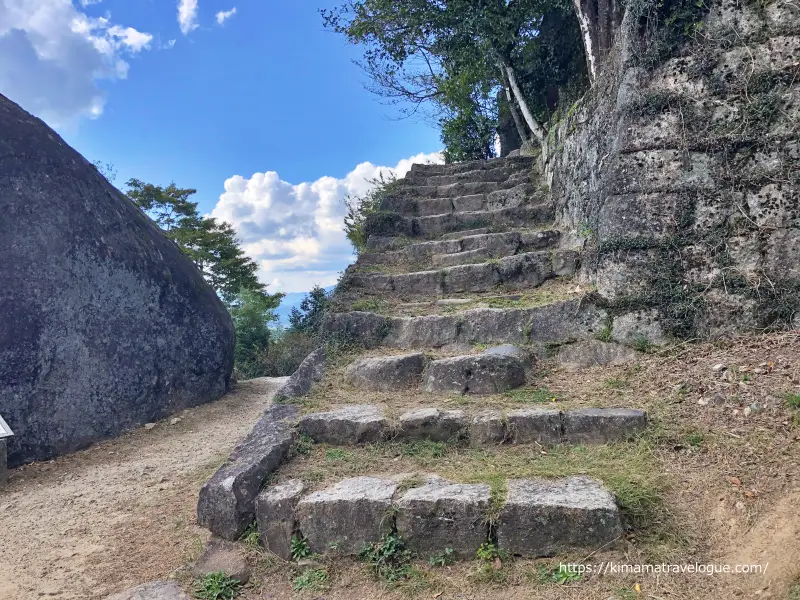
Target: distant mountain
{"points": [[289, 301]]}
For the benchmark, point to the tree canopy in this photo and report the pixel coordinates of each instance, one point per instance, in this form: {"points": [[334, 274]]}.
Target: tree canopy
{"points": [[455, 55], [210, 244]]}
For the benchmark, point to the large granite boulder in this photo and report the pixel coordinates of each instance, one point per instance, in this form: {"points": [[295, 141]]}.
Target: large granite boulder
{"points": [[104, 323]]}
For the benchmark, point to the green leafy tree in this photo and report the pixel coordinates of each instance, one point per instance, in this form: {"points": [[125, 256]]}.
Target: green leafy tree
{"points": [[414, 49], [210, 244], [252, 312], [308, 318]]}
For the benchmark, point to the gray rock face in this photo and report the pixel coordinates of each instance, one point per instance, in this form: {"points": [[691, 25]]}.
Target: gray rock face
{"points": [[592, 353], [347, 515], [157, 590], [534, 425], [387, 372], [275, 513], [443, 515], [475, 374], [487, 428], [227, 501], [310, 371], [433, 424], [104, 323], [543, 518], [223, 556], [356, 424], [601, 425]]}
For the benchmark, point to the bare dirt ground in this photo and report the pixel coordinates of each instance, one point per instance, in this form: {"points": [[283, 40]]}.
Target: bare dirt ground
{"points": [[121, 512]]}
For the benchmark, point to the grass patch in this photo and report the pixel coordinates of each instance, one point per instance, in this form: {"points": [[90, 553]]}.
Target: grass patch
{"points": [[217, 586], [532, 395], [336, 454], [424, 449], [792, 400], [314, 580], [554, 574], [251, 537], [794, 592], [368, 305], [617, 383]]}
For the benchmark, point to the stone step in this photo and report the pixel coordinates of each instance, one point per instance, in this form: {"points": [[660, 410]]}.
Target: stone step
{"points": [[357, 424], [462, 249], [519, 162], [519, 271], [558, 322], [497, 174], [539, 517], [390, 224], [506, 197]]}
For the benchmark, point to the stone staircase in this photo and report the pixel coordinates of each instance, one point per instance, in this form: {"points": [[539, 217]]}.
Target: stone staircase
{"points": [[471, 246]]}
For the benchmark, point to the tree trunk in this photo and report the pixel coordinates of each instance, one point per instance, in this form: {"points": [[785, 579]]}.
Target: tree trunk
{"points": [[523, 133], [537, 130], [599, 21]]}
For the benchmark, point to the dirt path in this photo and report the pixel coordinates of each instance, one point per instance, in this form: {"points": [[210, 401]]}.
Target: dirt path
{"points": [[84, 525]]}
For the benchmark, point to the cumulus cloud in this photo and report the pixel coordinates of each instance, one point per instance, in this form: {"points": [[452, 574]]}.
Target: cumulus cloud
{"points": [[295, 232], [187, 15], [224, 15], [52, 56]]}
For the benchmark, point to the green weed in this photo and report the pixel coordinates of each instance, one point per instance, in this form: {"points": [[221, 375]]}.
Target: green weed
{"points": [[217, 586], [313, 580]]}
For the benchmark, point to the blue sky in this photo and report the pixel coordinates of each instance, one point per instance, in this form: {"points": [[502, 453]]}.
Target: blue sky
{"points": [[262, 98]]}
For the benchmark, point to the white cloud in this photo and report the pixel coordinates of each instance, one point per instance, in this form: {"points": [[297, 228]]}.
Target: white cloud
{"points": [[224, 15], [296, 231], [187, 15], [52, 56]]}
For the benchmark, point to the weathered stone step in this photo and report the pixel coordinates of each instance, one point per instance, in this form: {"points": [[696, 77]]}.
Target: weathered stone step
{"points": [[539, 518], [462, 249], [520, 271], [497, 174], [388, 224], [519, 162], [366, 423], [552, 323], [506, 197]]}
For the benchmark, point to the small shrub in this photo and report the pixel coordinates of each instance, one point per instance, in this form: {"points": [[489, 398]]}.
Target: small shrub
{"points": [[442, 559], [389, 559], [299, 548], [487, 552], [362, 218], [303, 445], [217, 586], [313, 580]]}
